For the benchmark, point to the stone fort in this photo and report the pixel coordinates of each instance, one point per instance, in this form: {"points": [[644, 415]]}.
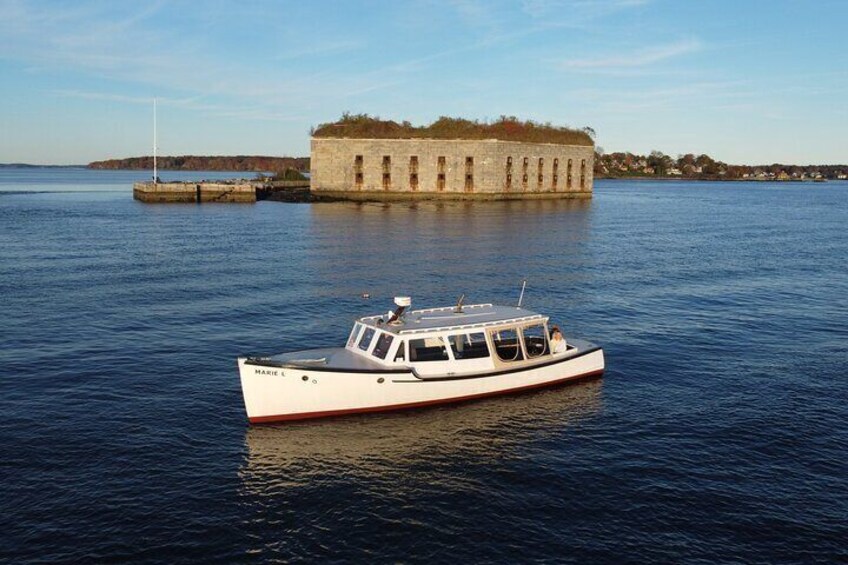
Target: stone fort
{"points": [[359, 165]]}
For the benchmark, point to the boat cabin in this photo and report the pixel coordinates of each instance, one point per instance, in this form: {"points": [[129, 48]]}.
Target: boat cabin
{"points": [[454, 340]]}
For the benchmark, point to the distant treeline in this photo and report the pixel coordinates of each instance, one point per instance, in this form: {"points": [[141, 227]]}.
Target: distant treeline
{"points": [[693, 166], [254, 163], [505, 128]]}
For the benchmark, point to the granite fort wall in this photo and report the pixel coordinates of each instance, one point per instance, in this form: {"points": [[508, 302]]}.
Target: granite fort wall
{"points": [[389, 169]]}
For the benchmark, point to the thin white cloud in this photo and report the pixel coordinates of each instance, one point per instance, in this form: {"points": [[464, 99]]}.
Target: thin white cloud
{"points": [[478, 13], [320, 49], [584, 9], [638, 58], [111, 97], [122, 47], [195, 103], [706, 95]]}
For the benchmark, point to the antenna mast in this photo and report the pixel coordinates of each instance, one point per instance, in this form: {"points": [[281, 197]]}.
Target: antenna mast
{"points": [[521, 298], [155, 170]]}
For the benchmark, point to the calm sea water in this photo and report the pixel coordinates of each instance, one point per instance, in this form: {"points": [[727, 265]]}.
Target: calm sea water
{"points": [[718, 434]]}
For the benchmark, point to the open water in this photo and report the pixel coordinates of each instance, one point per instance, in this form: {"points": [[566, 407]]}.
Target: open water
{"points": [[719, 432]]}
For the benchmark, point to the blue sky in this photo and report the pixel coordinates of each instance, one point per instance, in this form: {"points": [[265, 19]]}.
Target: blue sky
{"points": [[745, 81]]}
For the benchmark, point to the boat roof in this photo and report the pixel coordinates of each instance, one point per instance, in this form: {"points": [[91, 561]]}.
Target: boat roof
{"points": [[447, 318]]}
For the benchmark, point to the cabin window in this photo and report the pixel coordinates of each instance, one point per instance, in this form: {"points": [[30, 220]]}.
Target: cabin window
{"points": [[383, 344], [535, 341], [354, 335], [428, 349], [507, 346], [365, 340], [400, 355], [468, 346]]}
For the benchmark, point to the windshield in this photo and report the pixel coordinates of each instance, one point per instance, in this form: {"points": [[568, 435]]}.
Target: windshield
{"points": [[354, 334], [365, 340]]}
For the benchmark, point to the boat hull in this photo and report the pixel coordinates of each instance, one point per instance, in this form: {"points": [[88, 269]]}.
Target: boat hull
{"points": [[275, 394]]}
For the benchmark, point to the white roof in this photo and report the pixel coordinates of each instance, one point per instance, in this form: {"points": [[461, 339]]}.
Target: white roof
{"points": [[446, 318]]}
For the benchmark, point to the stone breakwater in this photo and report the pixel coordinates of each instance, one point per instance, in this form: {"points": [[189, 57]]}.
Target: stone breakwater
{"points": [[218, 191]]}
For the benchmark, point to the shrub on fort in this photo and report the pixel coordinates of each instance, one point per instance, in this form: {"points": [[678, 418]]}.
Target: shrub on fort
{"points": [[288, 174], [506, 128]]}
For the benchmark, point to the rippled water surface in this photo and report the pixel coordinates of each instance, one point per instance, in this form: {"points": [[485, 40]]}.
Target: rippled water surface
{"points": [[718, 433]]}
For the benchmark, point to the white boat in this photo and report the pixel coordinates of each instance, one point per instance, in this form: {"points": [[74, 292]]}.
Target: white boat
{"points": [[410, 359]]}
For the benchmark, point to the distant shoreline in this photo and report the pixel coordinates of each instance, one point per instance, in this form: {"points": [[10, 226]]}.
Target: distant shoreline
{"points": [[29, 166], [220, 163], [711, 179]]}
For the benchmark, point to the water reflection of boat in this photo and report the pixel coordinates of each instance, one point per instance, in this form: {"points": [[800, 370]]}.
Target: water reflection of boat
{"points": [[385, 443]]}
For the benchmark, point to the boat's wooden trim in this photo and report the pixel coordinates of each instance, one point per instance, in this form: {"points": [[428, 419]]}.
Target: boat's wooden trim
{"points": [[422, 404], [319, 368]]}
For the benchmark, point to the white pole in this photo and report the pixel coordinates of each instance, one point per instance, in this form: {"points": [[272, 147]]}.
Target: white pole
{"points": [[520, 298], [155, 170]]}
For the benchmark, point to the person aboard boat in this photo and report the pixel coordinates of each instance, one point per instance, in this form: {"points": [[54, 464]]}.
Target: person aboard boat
{"points": [[558, 344]]}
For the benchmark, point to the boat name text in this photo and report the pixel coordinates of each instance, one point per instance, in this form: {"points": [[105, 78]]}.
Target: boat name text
{"points": [[268, 372]]}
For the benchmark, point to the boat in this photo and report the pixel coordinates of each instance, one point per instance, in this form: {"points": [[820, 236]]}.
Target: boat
{"points": [[416, 358]]}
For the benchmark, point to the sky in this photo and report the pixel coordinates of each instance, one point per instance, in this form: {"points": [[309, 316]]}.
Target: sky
{"points": [[745, 81]]}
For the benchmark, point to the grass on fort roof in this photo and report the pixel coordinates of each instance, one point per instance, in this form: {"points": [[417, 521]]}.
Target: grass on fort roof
{"points": [[506, 128]]}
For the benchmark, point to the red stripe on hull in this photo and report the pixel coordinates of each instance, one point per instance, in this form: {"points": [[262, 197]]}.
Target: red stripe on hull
{"points": [[425, 403]]}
